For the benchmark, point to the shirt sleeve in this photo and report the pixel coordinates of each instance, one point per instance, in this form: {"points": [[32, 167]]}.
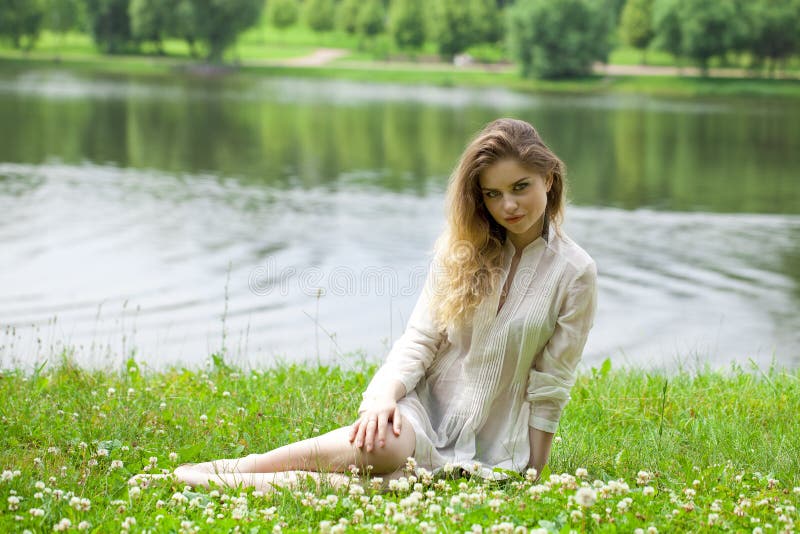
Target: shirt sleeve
{"points": [[553, 372], [413, 352]]}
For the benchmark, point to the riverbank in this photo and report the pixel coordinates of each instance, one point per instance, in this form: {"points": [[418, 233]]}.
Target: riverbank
{"points": [[413, 73], [676, 453]]}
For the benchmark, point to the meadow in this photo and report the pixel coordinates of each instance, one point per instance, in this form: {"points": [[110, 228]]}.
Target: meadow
{"points": [[636, 451]]}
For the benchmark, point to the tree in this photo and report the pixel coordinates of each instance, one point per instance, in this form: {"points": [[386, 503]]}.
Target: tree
{"points": [[708, 28], [186, 26], [668, 35], [557, 38], [282, 13], [347, 15], [219, 22], [407, 23], [775, 34], [320, 15], [487, 21], [63, 15], [110, 24], [451, 27], [371, 18], [636, 25], [21, 21], [151, 20]]}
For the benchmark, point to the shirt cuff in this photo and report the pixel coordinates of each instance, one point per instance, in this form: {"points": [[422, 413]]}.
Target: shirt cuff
{"points": [[540, 423]]}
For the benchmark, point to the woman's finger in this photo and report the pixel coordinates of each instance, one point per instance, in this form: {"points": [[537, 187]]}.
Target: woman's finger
{"points": [[396, 420], [369, 438], [354, 430], [382, 422], [360, 435]]}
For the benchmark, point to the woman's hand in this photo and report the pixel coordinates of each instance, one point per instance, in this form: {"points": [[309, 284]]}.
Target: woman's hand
{"points": [[372, 423]]}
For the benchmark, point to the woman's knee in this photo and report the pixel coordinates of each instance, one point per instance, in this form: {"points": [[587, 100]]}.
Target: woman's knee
{"points": [[394, 452]]}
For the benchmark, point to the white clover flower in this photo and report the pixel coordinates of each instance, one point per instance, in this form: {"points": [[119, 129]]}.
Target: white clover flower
{"points": [[39, 485], [530, 474], [576, 515], [38, 495], [226, 393], [111, 392], [652, 530], [173, 456], [355, 490], [411, 463], [128, 522], [643, 477], [557, 439], [36, 512], [13, 503], [203, 418], [134, 492], [62, 525], [102, 452], [448, 468], [758, 530], [648, 491], [495, 505], [582, 472], [179, 498], [696, 483], [624, 504], [586, 497], [131, 391], [713, 519], [83, 525], [332, 500], [116, 464]]}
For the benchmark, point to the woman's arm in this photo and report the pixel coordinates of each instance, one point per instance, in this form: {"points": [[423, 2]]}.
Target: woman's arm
{"points": [[541, 442], [553, 371]]}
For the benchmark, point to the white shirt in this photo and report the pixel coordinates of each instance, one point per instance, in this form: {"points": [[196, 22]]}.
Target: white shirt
{"points": [[474, 392]]}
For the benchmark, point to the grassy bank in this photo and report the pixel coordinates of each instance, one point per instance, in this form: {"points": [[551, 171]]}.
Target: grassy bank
{"points": [[420, 74], [684, 452]]}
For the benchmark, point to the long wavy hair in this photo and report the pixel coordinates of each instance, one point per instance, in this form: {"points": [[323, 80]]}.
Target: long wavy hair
{"points": [[469, 253]]}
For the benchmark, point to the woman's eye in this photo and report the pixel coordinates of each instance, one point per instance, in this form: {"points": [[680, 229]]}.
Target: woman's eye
{"points": [[520, 187], [491, 194]]}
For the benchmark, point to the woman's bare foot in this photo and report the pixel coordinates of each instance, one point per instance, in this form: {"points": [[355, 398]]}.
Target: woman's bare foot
{"points": [[145, 479]]}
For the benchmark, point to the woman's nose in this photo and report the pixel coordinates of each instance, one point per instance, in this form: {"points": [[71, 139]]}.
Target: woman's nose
{"points": [[509, 203]]}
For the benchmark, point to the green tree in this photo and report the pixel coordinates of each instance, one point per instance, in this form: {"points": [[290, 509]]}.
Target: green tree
{"points": [[668, 34], [320, 15], [110, 25], [487, 21], [282, 13], [151, 20], [371, 18], [451, 27], [407, 23], [775, 34], [709, 28], [21, 21], [347, 15], [636, 25], [219, 22], [62, 16], [186, 25], [557, 38]]}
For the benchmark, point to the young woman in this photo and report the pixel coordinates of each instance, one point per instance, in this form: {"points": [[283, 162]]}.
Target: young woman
{"points": [[484, 369]]}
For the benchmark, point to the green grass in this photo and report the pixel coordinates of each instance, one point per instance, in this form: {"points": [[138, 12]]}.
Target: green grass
{"points": [[716, 449]]}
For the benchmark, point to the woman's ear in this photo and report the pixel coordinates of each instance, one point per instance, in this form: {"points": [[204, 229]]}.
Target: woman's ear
{"points": [[548, 182]]}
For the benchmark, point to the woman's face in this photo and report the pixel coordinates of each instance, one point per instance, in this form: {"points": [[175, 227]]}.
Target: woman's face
{"points": [[515, 197]]}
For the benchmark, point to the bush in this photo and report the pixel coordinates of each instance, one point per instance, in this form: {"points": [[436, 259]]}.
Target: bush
{"points": [[320, 15], [558, 38]]}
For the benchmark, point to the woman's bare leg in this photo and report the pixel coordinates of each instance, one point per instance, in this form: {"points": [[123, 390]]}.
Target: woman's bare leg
{"points": [[331, 452], [321, 457]]}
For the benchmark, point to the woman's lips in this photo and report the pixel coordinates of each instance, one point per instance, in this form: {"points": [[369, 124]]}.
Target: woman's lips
{"points": [[512, 220]]}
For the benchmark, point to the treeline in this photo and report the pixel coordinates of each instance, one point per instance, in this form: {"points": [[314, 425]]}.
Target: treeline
{"points": [[547, 38]]}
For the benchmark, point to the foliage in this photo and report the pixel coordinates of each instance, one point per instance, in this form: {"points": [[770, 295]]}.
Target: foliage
{"points": [[371, 18], [407, 23], [487, 21], [21, 21], [218, 23], [347, 15], [451, 26], [151, 20], [708, 28], [282, 13], [667, 27], [637, 23], [557, 38], [320, 15], [62, 16], [685, 452], [775, 34], [110, 25]]}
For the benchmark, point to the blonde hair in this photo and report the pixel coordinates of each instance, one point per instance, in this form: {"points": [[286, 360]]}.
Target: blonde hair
{"points": [[469, 254]]}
